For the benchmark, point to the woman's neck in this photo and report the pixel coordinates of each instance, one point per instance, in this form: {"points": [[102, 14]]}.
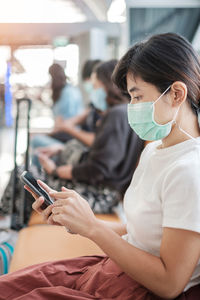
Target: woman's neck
{"points": [[189, 124]]}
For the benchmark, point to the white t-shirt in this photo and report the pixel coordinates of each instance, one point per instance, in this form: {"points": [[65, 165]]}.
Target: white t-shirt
{"points": [[164, 192]]}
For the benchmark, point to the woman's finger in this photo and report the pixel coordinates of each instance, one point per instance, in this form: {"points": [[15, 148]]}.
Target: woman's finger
{"points": [[47, 212], [50, 221], [58, 218], [64, 189], [57, 209], [37, 204], [26, 187], [62, 202], [62, 195], [45, 186]]}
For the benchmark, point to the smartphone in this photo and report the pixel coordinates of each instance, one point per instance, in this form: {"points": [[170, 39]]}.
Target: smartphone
{"points": [[28, 179]]}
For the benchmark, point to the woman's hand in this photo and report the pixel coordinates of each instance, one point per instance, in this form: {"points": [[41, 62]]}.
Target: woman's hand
{"points": [[64, 125], [48, 164], [73, 212], [57, 124], [64, 172]]}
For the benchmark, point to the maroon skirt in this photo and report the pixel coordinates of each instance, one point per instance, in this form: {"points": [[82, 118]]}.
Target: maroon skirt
{"points": [[88, 277]]}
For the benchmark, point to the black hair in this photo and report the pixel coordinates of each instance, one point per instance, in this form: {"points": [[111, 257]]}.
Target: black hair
{"points": [[88, 68], [104, 73], [162, 60]]}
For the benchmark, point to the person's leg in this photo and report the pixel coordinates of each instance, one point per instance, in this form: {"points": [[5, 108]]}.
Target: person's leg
{"points": [[45, 280], [55, 293], [42, 140], [61, 136], [92, 277]]}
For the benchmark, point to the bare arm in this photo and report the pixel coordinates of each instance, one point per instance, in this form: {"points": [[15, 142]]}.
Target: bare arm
{"points": [[60, 123], [69, 126], [85, 137], [165, 275], [118, 228], [79, 119]]}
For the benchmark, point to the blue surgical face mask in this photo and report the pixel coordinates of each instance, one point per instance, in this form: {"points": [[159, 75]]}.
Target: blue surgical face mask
{"points": [[141, 120], [98, 99], [88, 87]]}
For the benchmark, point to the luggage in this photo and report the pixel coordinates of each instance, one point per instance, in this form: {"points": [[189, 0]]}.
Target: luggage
{"points": [[18, 217], [8, 240]]}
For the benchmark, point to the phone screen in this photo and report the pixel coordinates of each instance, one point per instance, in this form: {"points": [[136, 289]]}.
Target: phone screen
{"points": [[28, 176]]}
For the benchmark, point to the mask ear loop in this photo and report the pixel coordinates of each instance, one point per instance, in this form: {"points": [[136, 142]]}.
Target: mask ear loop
{"points": [[186, 133], [182, 130], [153, 104], [194, 139], [162, 94], [174, 118]]}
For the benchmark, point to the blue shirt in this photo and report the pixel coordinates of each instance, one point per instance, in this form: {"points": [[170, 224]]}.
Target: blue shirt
{"points": [[69, 104]]}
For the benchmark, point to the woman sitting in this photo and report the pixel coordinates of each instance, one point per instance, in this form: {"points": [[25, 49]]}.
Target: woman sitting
{"points": [[67, 103], [81, 127], [157, 256]]}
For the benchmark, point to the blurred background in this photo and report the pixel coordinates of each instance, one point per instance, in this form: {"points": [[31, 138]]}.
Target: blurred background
{"points": [[36, 33]]}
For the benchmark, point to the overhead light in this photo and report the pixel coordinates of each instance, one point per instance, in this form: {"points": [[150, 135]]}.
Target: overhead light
{"points": [[117, 11]]}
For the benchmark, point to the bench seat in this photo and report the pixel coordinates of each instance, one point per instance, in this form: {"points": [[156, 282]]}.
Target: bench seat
{"points": [[40, 242]]}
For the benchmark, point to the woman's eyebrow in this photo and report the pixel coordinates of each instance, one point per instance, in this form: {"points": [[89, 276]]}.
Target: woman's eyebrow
{"points": [[133, 89]]}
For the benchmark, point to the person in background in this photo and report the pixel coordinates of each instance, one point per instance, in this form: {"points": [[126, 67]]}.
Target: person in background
{"points": [[81, 127], [103, 173], [67, 103], [86, 75]]}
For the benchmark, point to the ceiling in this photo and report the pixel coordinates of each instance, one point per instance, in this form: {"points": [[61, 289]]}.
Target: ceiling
{"points": [[36, 22]]}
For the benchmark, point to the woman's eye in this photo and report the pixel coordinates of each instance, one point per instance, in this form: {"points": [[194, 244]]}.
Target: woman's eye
{"points": [[137, 98]]}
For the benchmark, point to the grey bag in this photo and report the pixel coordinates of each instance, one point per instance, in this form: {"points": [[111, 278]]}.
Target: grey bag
{"points": [[72, 153]]}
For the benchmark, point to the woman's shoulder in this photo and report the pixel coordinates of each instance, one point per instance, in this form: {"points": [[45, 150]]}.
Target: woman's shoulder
{"points": [[118, 109], [69, 88], [184, 170], [189, 162], [150, 147], [71, 92], [117, 113]]}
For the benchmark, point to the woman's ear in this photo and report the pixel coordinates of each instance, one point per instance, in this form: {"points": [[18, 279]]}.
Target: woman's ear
{"points": [[178, 93]]}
